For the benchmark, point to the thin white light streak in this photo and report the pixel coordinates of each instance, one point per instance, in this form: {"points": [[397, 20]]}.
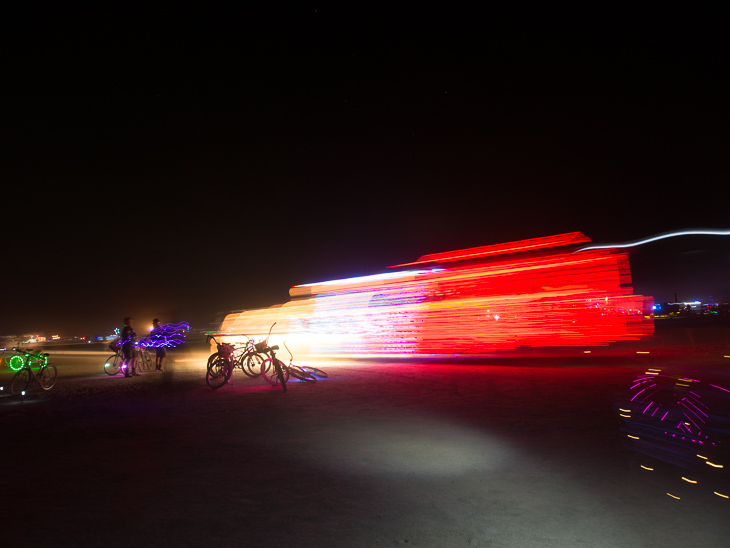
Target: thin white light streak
{"points": [[659, 237], [373, 277]]}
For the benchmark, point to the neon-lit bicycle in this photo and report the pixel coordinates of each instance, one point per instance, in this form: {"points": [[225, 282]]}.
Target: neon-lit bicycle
{"points": [[16, 360], [46, 376]]}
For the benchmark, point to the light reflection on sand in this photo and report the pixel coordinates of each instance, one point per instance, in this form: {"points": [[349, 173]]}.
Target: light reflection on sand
{"points": [[426, 446]]}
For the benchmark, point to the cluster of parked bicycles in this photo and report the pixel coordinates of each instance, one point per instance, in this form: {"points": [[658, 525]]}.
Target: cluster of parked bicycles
{"points": [[255, 359], [30, 366]]}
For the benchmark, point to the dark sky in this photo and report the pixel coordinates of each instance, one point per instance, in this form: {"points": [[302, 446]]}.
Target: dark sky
{"points": [[179, 160]]}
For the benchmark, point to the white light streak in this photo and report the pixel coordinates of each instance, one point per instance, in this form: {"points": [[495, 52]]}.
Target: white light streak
{"points": [[698, 232]]}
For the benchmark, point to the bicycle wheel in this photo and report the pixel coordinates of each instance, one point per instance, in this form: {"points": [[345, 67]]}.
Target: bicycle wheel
{"points": [[252, 367], [299, 373], [112, 364], [313, 371], [47, 376], [20, 382], [269, 373], [16, 362], [219, 371], [229, 370], [145, 362], [281, 370]]}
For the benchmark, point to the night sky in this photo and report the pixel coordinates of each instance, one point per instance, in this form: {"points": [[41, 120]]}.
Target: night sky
{"points": [[181, 161]]}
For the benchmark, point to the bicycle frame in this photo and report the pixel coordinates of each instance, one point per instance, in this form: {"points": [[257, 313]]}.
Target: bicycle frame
{"points": [[278, 365], [31, 359], [25, 376]]}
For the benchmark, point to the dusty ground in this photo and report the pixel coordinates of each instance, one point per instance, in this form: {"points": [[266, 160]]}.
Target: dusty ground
{"points": [[509, 451]]}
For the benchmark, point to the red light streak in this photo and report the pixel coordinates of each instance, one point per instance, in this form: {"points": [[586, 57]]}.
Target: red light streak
{"points": [[481, 302], [501, 249]]}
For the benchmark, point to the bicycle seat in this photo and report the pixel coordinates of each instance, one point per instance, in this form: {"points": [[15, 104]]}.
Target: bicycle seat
{"points": [[275, 347]]}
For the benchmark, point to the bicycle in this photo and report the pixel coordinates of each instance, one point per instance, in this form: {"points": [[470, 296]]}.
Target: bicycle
{"points": [[278, 374], [46, 377], [248, 359], [263, 347], [300, 372], [220, 364], [282, 371], [113, 363], [142, 360]]}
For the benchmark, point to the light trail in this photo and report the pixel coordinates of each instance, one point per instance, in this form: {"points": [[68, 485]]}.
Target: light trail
{"points": [[479, 300], [698, 232]]}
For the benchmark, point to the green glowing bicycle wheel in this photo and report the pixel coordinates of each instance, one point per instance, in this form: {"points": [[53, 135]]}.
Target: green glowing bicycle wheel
{"points": [[16, 363]]}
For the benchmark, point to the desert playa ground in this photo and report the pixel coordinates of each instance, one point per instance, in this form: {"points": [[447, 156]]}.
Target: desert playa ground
{"points": [[517, 450]]}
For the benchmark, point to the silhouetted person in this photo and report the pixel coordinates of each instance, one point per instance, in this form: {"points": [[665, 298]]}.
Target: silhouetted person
{"points": [[158, 336], [128, 338]]}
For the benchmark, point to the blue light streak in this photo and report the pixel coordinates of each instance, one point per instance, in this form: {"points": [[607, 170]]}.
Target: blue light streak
{"points": [[170, 335]]}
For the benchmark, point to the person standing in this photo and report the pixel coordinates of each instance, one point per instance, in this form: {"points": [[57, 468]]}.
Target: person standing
{"points": [[128, 338], [158, 337]]}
